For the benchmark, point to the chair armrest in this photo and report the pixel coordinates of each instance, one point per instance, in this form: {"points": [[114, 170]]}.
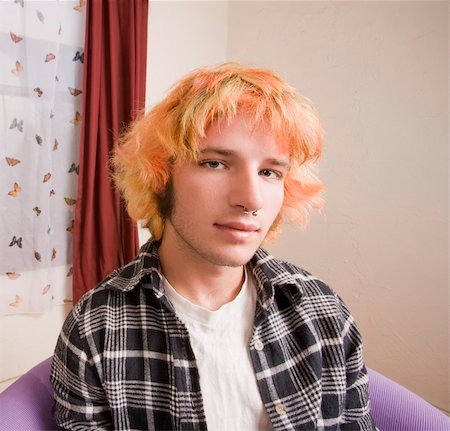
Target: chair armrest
{"points": [[27, 403], [395, 408]]}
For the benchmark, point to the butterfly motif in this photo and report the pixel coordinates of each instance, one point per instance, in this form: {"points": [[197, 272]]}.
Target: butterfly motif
{"points": [[71, 227], [46, 289], [15, 38], [39, 139], [17, 302], [80, 5], [38, 91], [70, 272], [47, 176], [16, 241], [16, 189], [17, 124], [19, 2], [55, 145], [76, 119], [18, 70], [70, 201], [37, 256], [74, 168], [53, 254], [79, 56], [52, 192], [11, 161], [74, 91], [40, 16], [49, 57], [37, 210], [13, 275]]}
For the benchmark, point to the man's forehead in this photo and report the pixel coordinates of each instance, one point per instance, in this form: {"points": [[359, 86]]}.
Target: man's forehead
{"points": [[230, 137], [279, 158]]}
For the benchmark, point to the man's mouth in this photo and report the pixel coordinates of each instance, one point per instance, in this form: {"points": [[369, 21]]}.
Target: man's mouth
{"points": [[238, 230]]}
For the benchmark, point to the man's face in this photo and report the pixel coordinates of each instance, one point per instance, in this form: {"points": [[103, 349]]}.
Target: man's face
{"points": [[237, 168]]}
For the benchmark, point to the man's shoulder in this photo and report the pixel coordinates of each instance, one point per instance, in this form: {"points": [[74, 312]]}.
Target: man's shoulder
{"points": [[280, 272], [143, 271], [290, 287], [277, 278]]}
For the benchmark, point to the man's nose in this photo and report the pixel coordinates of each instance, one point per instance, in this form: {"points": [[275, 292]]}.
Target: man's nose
{"points": [[246, 191]]}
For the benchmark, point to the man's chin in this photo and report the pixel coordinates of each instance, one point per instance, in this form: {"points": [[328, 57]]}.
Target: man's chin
{"points": [[238, 258]]}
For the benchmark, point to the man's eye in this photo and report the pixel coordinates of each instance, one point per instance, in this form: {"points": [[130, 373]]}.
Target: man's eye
{"points": [[268, 173], [212, 164]]}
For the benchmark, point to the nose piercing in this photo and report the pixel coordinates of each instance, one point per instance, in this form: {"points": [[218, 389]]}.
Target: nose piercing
{"points": [[254, 213]]}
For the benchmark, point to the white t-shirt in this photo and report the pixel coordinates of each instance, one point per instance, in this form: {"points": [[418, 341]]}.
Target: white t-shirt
{"points": [[220, 342]]}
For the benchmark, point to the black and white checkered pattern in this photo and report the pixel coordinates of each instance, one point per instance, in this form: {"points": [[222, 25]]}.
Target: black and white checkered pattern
{"points": [[124, 361]]}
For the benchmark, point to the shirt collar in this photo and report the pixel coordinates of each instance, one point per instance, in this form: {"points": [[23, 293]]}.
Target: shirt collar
{"points": [[145, 269], [271, 273]]}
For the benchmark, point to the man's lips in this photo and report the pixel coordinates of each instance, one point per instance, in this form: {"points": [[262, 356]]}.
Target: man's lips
{"points": [[238, 226], [237, 232]]}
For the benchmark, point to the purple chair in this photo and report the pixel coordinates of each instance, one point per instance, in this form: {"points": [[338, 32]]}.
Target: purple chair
{"points": [[395, 408], [26, 405]]}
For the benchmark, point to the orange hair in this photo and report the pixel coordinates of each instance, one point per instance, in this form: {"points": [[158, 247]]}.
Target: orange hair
{"points": [[171, 130]]}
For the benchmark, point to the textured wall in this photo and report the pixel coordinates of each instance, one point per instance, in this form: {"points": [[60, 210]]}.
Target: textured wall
{"points": [[377, 72], [183, 35]]}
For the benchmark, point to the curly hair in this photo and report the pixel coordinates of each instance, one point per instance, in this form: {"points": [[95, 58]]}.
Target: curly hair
{"points": [[170, 132]]}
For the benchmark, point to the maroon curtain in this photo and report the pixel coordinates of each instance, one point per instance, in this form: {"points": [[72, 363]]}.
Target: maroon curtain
{"points": [[113, 93]]}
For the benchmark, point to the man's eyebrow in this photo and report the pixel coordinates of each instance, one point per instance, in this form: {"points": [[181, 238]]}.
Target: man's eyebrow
{"points": [[278, 162], [219, 151], [223, 152]]}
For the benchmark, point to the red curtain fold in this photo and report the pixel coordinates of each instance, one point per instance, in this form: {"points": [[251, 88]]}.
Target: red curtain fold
{"points": [[113, 94]]}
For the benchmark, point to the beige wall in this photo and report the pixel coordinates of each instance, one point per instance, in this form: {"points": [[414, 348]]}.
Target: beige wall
{"points": [[26, 339], [183, 35], [377, 72]]}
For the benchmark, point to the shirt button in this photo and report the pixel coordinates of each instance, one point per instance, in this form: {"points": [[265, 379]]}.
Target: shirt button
{"points": [[259, 345], [280, 409]]}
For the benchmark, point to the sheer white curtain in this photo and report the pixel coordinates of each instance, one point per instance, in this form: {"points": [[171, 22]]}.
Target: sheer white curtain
{"points": [[41, 63]]}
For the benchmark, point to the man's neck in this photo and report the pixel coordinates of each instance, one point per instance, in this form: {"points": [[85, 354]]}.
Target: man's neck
{"points": [[203, 283]]}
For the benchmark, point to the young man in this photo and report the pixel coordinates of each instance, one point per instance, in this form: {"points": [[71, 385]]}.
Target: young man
{"points": [[204, 329]]}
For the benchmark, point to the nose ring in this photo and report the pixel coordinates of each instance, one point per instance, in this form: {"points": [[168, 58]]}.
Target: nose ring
{"points": [[254, 213]]}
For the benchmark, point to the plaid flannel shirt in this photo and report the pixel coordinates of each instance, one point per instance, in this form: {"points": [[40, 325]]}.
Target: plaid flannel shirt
{"points": [[124, 360]]}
